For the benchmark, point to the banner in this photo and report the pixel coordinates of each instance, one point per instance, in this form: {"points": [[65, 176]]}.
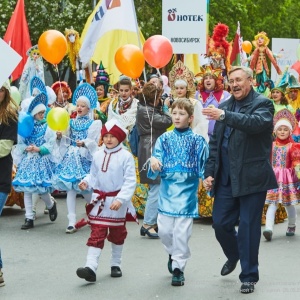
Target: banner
{"points": [[185, 25], [287, 50]]}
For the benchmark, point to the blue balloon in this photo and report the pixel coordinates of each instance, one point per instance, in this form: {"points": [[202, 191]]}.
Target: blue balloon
{"points": [[25, 124]]}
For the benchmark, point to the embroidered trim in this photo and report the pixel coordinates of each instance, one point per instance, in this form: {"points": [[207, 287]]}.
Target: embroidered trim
{"points": [[105, 163]]}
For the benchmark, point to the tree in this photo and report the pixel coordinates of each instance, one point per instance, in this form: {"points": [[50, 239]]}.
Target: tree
{"points": [[277, 18]]}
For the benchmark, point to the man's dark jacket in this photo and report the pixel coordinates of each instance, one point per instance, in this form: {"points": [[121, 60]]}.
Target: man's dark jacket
{"points": [[249, 145]]}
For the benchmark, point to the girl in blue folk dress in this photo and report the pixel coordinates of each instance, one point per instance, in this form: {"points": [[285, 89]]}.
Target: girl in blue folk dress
{"points": [[76, 148], [34, 161]]}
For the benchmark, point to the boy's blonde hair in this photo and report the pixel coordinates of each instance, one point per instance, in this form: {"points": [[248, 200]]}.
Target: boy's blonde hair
{"points": [[185, 104]]}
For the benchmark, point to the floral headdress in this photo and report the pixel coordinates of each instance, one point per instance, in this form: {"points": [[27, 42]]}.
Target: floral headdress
{"points": [[208, 70], [37, 83], [180, 71], [87, 91], [38, 103], [284, 117]]}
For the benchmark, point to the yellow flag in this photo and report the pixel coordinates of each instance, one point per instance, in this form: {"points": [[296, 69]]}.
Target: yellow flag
{"points": [[111, 25], [192, 62]]}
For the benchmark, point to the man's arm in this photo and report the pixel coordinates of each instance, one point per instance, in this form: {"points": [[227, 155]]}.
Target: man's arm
{"points": [[255, 122]]}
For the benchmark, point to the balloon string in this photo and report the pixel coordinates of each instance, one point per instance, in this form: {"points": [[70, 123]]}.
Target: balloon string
{"points": [[139, 83], [60, 88], [158, 72], [72, 140]]}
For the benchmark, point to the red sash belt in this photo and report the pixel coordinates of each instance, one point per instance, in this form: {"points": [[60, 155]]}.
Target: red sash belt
{"points": [[103, 195]]}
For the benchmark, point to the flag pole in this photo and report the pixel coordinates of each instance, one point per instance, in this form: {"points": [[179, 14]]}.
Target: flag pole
{"points": [[138, 36]]}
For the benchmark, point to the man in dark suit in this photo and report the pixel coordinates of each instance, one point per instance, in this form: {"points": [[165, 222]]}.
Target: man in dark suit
{"points": [[239, 173]]}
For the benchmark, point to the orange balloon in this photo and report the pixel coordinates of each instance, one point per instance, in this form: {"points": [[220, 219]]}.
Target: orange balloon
{"points": [[247, 46], [53, 46], [158, 51], [130, 61]]}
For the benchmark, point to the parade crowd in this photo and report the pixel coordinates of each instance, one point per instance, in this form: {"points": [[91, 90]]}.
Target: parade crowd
{"points": [[223, 143]]}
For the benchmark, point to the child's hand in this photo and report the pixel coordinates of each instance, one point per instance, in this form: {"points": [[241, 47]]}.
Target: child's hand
{"points": [[115, 205], [208, 183], [32, 148], [167, 101], [35, 149], [29, 148], [155, 164], [58, 135], [82, 185], [79, 143]]}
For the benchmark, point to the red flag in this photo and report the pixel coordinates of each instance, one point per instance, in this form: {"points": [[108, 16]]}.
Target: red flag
{"points": [[235, 54], [17, 36], [238, 55]]}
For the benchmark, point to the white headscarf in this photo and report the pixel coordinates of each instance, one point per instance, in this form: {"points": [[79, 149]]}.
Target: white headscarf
{"points": [[283, 122]]}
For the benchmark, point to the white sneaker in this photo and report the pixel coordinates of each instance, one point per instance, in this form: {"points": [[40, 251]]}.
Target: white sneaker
{"points": [[71, 229]]}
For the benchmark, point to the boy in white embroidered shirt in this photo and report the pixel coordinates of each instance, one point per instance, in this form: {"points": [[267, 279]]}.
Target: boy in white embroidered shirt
{"points": [[113, 180]]}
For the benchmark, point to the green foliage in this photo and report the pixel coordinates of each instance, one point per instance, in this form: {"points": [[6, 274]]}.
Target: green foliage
{"points": [[149, 16], [276, 18]]}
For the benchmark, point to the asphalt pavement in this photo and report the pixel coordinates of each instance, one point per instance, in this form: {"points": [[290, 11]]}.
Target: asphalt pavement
{"points": [[41, 263]]}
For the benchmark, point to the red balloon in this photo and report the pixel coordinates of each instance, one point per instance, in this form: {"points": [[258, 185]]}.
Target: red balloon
{"points": [[130, 61], [53, 46], [158, 51]]}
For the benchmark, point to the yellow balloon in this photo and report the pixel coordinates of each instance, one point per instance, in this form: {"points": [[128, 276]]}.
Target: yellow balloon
{"points": [[58, 119]]}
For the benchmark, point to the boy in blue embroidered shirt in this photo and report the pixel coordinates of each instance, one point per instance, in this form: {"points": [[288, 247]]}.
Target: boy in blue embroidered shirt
{"points": [[179, 157]]}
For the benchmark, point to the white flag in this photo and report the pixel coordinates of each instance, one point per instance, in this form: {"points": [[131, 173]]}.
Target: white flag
{"points": [[107, 16]]}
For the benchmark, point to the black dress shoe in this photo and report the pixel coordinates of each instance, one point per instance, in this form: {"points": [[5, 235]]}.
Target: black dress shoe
{"points": [[247, 287], [145, 231], [86, 273], [116, 272], [28, 224], [53, 212], [228, 267]]}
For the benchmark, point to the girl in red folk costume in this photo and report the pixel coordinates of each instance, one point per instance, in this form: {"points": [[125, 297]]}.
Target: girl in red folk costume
{"points": [[113, 180], [285, 161]]}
